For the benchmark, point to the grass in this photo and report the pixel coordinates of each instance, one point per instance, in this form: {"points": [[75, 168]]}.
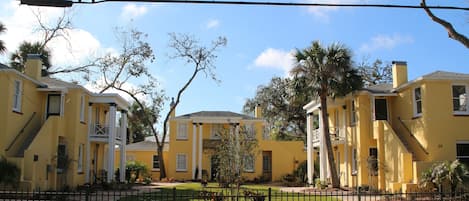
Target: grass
{"points": [[195, 191]]}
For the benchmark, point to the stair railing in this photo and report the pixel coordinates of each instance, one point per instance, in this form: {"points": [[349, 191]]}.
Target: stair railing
{"points": [[412, 135], [21, 131]]}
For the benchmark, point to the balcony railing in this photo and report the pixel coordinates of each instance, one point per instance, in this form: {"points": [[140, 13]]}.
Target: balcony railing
{"points": [[99, 131], [337, 136]]}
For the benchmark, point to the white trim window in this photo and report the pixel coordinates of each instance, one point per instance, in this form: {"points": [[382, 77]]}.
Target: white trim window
{"points": [[156, 162], [80, 158], [354, 162], [215, 131], [181, 131], [181, 162], [250, 130], [417, 99], [353, 113], [462, 152], [249, 163], [82, 108], [17, 94], [459, 99]]}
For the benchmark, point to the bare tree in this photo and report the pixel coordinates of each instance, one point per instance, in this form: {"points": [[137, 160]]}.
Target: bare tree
{"points": [[202, 58], [452, 33]]}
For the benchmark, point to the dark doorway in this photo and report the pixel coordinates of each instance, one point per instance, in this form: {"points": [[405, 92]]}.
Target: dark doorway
{"points": [[381, 109], [213, 168], [53, 104], [267, 165]]}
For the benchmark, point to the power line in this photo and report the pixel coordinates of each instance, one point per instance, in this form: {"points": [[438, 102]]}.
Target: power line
{"points": [[247, 3]]}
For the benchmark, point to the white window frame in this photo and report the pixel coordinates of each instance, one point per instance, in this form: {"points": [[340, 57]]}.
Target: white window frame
{"points": [[414, 101], [181, 131], [250, 130], [353, 113], [354, 162], [158, 162], [80, 158], [183, 159], [215, 129], [452, 98], [249, 163], [462, 143], [17, 95], [82, 108]]}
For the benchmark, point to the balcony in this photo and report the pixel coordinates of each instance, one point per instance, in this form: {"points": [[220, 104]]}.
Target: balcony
{"points": [[101, 133], [337, 136]]}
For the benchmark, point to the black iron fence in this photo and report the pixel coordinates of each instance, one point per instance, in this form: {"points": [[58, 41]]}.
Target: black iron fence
{"points": [[216, 194]]}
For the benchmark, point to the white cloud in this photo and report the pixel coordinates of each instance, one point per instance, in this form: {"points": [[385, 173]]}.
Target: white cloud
{"points": [[213, 23], [132, 11], [385, 42], [276, 59], [322, 12], [21, 26]]}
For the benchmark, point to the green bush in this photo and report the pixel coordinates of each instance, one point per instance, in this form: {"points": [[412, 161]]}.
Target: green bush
{"points": [[9, 173]]}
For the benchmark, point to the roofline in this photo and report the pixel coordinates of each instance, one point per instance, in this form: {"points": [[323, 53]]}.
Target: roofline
{"points": [[40, 84]]}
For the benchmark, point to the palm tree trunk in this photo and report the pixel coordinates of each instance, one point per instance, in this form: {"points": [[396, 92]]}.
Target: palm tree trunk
{"points": [[327, 138]]}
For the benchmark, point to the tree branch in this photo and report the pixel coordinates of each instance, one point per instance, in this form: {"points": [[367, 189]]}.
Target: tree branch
{"points": [[452, 33]]}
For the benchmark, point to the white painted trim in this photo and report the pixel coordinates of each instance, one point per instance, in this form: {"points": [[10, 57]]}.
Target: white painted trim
{"points": [[200, 150], [111, 143], [194, 149]]}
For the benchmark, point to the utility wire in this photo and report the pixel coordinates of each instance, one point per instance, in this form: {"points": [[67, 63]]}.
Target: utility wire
{"points": [[262, 3]]}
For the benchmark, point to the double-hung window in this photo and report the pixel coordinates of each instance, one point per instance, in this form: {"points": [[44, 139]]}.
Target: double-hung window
{"points": [[249, 163], [353, 113], [354, 162], [18, 91], [80, 158], [82, 108], [462, 152], [417, 101], [181, 131], [460, 99], [181, 162], [156, 162]]}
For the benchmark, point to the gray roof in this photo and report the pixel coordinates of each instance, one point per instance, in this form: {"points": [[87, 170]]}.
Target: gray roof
{"points": [[215, 114], [145, 146], [379, 88], [445, 75], [3, 66], [56, 83]]}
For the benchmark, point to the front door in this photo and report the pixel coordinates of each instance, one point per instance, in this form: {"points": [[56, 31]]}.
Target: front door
{"points": [[381, 109], [267, 165]]}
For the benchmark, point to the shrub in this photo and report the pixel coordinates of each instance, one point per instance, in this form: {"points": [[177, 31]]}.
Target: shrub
{"points": [[446, 174], [9, 173]]}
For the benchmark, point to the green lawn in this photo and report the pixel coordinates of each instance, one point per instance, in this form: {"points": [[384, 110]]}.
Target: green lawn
{"points": [[195, 191]]}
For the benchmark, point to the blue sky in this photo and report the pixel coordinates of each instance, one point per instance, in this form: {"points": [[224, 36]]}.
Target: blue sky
{"points": [[260, 40]]}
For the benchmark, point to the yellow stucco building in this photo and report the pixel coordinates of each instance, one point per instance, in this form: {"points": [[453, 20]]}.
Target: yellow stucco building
{"points": [[58, 133], [192, 140], [385, 136]]}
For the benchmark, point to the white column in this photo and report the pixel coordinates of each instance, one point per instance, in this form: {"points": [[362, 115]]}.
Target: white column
{"points": [[87, 145], [111, 142], [194, 148], [309, 148], [322, 151], [123, 149], [344, 128], [373, 112], [201, 136]]}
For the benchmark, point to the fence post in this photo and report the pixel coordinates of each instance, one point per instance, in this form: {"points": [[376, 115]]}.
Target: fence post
{"points": [[174, 194], [358, 192], [87, 192], [270, 194]]}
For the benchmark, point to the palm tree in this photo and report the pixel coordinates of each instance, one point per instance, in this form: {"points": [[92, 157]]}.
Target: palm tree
{"points": [[18, 58], [3, 49], [329, 72]]}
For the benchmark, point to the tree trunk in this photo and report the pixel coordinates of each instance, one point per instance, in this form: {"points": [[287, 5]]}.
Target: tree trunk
{"points": [[327, 138], [160, 158]]}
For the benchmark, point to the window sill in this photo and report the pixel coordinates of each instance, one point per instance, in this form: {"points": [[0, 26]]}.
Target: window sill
{"points": [[249, 171], [460, 114], [182, 139], [417, 116], [17, 112], [155, 170], [181, 170], [82, 122], [80, 172]]}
